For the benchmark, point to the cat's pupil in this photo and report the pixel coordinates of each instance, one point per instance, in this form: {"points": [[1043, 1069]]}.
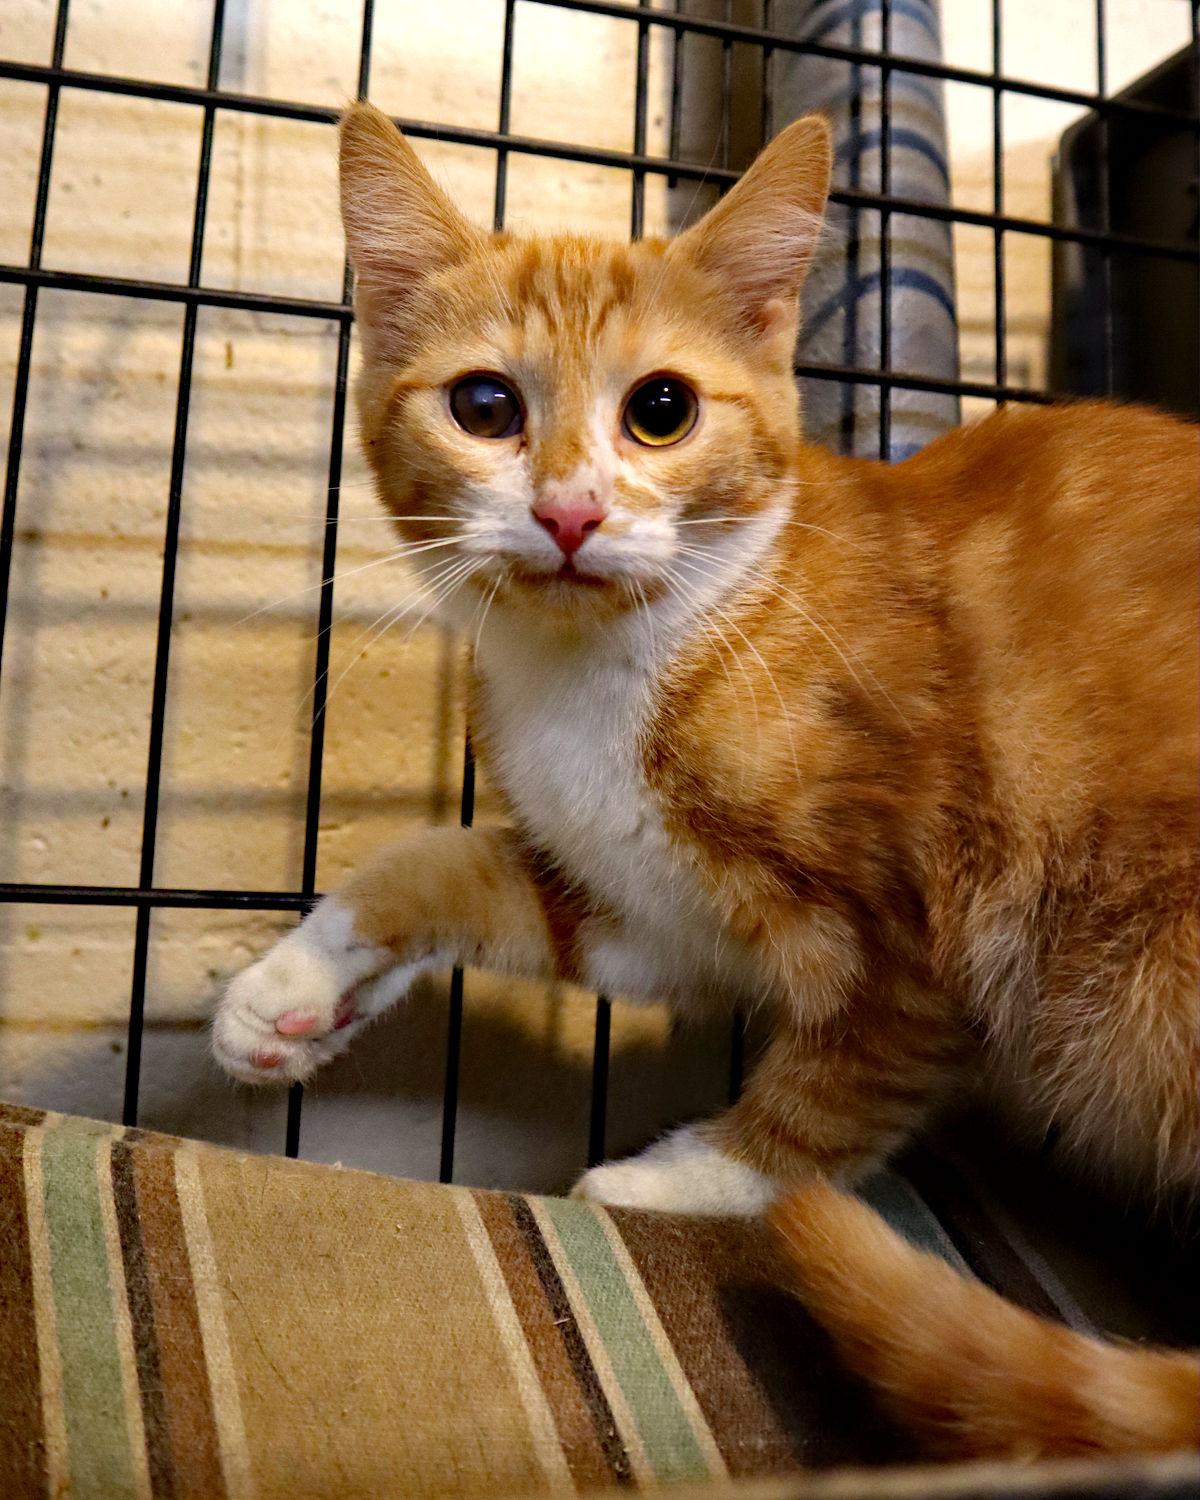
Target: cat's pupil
{"points": [[660, 411], [485, 407]]}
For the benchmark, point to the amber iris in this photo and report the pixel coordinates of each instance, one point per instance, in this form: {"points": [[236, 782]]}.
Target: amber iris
{"points": [[662, 410], [485, 407]]}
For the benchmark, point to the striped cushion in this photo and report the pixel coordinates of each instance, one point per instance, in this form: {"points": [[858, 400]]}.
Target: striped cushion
{"points": [[180, 1320]]}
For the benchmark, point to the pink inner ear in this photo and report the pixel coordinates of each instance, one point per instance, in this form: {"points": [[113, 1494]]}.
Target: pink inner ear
{"points": [[776, 317]]}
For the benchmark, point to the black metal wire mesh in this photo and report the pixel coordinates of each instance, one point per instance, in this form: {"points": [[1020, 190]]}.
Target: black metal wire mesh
{"points": [[681, 27]]}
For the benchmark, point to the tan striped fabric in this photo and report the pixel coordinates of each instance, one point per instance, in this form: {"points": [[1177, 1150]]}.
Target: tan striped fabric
{"points": [[182, 1321]]}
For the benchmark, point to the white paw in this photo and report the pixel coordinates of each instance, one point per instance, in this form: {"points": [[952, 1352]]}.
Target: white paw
{"points": [[278, 1017], [284, 1016], [680, 1174]]}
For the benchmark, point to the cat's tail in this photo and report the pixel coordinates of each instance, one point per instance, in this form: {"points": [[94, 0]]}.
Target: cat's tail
{"points": [[972, 1374]]}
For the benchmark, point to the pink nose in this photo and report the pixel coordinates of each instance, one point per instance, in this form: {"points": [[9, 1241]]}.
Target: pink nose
{"points": [[569, 522]]}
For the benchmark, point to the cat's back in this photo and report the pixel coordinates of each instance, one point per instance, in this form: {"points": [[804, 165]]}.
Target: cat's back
{"points": [[1087, 477], [1065, 544]]}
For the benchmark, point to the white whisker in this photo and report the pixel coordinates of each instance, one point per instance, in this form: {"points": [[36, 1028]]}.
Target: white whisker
{"points": [[712, 629], [443, 583], [786, 595], [483, 617], [400, 555], [787, 717]]}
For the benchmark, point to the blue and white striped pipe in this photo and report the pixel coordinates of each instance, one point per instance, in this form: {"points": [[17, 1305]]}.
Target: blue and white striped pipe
{"points": [[841, 299]]}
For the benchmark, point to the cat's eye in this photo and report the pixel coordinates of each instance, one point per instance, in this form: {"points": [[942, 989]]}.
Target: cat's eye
{"points": [[485, 407], [662, 410]]}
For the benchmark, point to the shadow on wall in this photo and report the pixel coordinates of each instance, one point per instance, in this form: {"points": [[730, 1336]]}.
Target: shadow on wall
{"points": [[379, 1106]]}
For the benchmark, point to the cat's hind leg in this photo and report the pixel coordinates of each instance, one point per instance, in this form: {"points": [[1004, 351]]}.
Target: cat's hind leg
{"points": [[834, 1100], [683, 1173]]}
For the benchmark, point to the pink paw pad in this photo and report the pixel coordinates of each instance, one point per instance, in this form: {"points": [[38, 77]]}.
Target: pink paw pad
{"points": [[265, 1059], [295, 1023], [345, 1012]]}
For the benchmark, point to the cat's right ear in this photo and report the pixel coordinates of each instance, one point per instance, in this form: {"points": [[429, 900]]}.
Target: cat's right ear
{"points": [[400, 226]]}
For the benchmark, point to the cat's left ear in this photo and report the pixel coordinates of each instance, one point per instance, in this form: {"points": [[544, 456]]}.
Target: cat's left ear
{"points": [[760, 238], [400, 227]]}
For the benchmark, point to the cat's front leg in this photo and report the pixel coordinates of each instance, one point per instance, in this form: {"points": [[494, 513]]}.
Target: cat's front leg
{"points": [[447, 896], [836, 1099]]}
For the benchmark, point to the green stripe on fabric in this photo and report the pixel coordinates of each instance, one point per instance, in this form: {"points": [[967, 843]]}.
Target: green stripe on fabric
{"points": [[98, 1444], [895, 1199], [666, 1434]]}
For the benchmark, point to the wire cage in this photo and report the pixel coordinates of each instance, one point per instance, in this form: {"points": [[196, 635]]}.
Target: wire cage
{"points": [[710, 80]]}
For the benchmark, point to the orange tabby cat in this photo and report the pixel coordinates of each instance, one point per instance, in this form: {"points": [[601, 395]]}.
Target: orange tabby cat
{"points": [[907, 755]]}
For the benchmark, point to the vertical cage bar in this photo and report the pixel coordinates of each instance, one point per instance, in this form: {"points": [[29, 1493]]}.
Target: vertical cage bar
{"points": [[450, 1093], [308, 878], [454, 1022], [316, 744], [37, 234], [998, 304], [737, 1056], [599, 1102], [767, 127], [500, 201], [885, 227], [162, 651], [467, 813], [291, 1132], [16, 441], [206, 142], [848, 425], [137, 1007], [676, 94], [364, 49], [137, 999], [1101, 51], [726, 97], [637, 217], [598, 1116], [1102, 137]]}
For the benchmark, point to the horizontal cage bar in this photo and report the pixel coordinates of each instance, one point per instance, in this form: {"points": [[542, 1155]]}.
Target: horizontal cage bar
{"points": [[889, 62]]}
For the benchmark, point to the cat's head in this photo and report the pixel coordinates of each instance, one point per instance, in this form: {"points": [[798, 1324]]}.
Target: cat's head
{"points": [[577, 428]]}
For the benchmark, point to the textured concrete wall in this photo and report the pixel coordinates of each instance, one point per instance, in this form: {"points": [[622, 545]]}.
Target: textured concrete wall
{"points": [[79, 652]]}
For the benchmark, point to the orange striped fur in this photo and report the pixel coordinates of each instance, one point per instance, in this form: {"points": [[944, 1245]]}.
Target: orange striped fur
{"points": [[905, 755]]}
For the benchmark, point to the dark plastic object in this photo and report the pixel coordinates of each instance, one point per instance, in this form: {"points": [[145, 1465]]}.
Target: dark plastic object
{"points": [[1123, 323]]}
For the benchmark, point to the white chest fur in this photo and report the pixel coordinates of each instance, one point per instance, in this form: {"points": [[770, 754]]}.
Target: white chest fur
{"points": [[564, 726]]}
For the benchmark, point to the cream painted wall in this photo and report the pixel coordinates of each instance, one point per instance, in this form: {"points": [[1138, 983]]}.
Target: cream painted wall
{"points": [[79, 652]]}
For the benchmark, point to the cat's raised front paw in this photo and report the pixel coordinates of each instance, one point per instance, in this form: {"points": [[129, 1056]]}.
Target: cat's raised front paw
{"points": [[680, 1174], [283, 1017]]}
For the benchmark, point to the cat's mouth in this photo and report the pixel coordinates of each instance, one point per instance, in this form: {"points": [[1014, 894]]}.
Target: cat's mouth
{"points": [[567, 575], [572, 594]]}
